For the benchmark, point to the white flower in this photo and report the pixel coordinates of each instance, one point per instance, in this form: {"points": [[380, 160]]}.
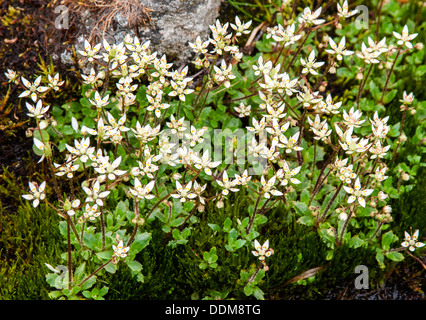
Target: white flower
{"points": [[378, 151], [146, 133], [311, 18], [89, 52], [289, 144], [109, 169], [243, 110], [224, 74], [286, 175], [346, 174], [37, 193], [310, 65], [227, 184], [407, 98], [352, 119], [67, 168], [156, 105], [11, 75], [195, 136], [54, 82], [240, 27], [379, 174], [261, 67], [243, 179], [257, 125], [99, 102], [411, 242], [184, 193], [32, 88], [338, 50], [143, 192], [358, 193], [205, 163], [91, 212], [404, 38], [343, 11], [94, 194], [38, 111], [82, 149], [120, 250], [280, 35], [199, 46], [179, 88], [350, 144], [268, 187], [262, 251], [177, 126]]}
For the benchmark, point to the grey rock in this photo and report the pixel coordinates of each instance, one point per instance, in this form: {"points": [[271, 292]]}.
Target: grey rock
{"points": [[174, 23]]}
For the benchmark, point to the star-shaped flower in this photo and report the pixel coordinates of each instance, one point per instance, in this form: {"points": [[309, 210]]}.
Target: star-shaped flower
{"points": [[338, 50], [404, 38], [411, 242], [358, 193], [37, 193], [262, 251]]}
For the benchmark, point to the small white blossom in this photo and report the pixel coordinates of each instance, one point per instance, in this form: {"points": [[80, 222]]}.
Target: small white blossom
{"points": [[404, 38], [357, 193], [37, 193], [411, 241]]}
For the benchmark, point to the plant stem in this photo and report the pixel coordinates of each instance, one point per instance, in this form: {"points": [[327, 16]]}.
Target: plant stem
{"points": [[331, 202], [69, 255], [346, 224], [254, 214], [361, 87], [95, 272], [299, 49], [389, 75]]}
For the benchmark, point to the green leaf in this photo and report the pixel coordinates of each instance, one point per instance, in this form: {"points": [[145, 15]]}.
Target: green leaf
{"points": [[135, 266], [141, 241], [302, 209], [394, 256]]}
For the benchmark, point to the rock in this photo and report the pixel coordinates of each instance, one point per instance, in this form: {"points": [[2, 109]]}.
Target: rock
{"points": [[170, 25]]}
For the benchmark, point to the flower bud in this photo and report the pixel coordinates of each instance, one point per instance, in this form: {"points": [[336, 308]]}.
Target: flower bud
{"points": [[343, 216], [402, 138], [29, 133], [405, 176], [382, 196], [176, 176], [418, 46], [43, 124], [373, 204], [387, 209], [413, 112], [219, 204]]}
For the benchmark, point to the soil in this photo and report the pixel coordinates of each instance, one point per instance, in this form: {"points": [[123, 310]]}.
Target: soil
{"points": [[29, 36]]}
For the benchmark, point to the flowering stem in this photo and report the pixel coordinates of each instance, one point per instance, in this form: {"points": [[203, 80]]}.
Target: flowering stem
{"points": [[69, 253], [377, 231], [95, 272], [346, 224], [404, 115], [389, 75], [361, 87], [299, 49], [317, 183], [136, 222], [331, 202], [254, 214]]}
